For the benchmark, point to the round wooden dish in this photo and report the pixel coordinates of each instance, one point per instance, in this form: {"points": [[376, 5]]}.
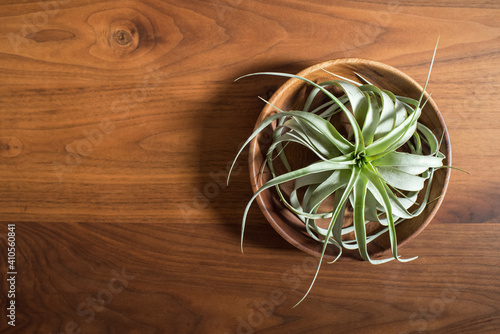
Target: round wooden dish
{"points": [[289, 95]]}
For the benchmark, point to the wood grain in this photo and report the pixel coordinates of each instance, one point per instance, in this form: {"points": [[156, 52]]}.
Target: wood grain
{"points": [[118, 120]]}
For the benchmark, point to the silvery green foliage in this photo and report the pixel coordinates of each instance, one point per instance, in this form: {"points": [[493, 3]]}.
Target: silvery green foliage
{"points": [[370, 171]]}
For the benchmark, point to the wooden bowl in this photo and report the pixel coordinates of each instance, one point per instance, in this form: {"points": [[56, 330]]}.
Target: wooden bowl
{"points": [[291, 93]]}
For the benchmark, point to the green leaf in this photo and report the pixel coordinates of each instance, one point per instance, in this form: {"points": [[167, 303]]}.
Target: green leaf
{"points": [[414, 162], [386, 117], [371, 175], [429, 73], [401, 180], [395, 138], [345, 195], [356, 97], [310, 133], [317, 167], [359, 194], [324, 127], [371, 120], [359, 145]]}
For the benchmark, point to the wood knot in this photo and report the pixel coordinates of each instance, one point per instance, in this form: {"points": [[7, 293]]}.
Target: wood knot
{"points": [[122, 37], [121, 34], [10, 147]]}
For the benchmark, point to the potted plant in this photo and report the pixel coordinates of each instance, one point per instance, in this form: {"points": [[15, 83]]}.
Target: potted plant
{"points": [[355, 161]]}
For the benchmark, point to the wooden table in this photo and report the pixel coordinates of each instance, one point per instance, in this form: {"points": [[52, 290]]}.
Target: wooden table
{"points": [[118, 120]]}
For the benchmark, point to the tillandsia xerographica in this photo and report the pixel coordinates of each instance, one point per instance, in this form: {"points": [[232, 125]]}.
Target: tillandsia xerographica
{"points": [[378, 169]]}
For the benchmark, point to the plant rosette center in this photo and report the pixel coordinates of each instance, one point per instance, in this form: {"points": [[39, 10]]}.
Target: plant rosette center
{"points": [[360, 159]]}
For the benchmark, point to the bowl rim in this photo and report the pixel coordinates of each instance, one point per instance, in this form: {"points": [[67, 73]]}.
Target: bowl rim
{"points": [[254, 149]]}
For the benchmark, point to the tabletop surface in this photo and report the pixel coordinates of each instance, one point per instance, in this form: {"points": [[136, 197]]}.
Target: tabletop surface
{"points": [[117, 123]]}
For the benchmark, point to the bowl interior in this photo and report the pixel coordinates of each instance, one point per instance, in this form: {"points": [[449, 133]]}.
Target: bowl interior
{"points": [[288, 95]]}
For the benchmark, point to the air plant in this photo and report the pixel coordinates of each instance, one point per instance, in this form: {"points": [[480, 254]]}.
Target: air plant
{"points": [[378, 168]]}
